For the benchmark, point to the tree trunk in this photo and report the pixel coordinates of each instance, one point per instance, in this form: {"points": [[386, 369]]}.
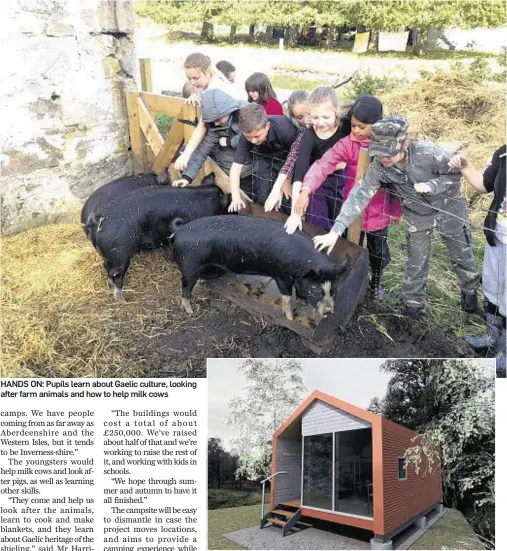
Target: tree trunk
{"points": [[291, 34], [207, 32], [251, 31], [269, 32], [373, 43], [232, 35], [420, 43], [330, 38]]}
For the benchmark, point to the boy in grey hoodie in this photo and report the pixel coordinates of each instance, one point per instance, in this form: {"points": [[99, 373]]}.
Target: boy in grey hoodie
{"points": [[220, 113]]}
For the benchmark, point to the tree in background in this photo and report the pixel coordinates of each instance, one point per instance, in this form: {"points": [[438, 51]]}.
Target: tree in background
{"points": [[274, 390], [388, 15], [451, 403]]}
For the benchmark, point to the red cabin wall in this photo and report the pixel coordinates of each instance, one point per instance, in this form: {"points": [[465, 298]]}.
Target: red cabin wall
{"points": [[404, 499]]}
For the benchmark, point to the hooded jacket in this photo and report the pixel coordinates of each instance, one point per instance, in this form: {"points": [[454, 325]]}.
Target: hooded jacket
{"points": [[215, 104]]}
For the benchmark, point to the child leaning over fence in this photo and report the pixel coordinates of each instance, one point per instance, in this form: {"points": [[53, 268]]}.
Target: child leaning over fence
{"points": [[259, 90], [326, 129], [495, 253], [382, 209], [297, 111], [430, 190], [202, 76], [220, 114], [265, 142]]}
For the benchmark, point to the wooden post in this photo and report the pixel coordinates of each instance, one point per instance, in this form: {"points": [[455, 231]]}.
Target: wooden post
{"points": [[354, 230], [145, 69], [137, 141]]}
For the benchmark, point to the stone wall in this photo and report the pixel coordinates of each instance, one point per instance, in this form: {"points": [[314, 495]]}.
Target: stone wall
{"points": [[64, 130]]}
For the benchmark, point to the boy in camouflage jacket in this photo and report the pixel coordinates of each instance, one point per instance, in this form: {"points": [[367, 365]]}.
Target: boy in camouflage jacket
{"points": [[419, 173]]}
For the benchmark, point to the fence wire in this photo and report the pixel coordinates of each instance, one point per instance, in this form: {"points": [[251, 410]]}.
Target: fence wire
{"points": [[265, 171]]}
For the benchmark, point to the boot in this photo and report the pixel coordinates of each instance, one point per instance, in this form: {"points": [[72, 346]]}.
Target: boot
{"points": [[492, 335], [469, 302], [415, 313]]}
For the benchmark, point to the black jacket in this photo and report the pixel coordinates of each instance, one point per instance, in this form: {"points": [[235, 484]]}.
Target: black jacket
{"points": [[494, 181]]}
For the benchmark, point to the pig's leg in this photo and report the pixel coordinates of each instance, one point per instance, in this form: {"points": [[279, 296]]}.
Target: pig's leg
{"points": [[116, 273], [285, 288], [187, 284]]}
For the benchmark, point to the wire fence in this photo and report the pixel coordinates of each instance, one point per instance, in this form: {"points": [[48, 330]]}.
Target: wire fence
{"points": [[442, 287]]}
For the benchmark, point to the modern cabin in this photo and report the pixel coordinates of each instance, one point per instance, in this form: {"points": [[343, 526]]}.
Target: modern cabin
{"points": [[336, 462]]}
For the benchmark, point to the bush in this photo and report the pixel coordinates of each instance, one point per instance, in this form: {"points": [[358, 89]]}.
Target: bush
{"points": [[368, 84], [164, 123], [222, 499]]}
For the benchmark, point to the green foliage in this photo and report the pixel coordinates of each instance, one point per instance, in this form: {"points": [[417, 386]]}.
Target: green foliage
{"points": [[223, 499], [164, 123], [450, 403], [365, 83], [288, 82]]}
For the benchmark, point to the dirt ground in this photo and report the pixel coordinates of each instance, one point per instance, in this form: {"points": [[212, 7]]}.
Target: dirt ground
{"points": [[59, 319]]}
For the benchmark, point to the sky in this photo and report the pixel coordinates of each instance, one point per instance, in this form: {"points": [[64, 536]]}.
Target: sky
{"points": [[355, 380]]}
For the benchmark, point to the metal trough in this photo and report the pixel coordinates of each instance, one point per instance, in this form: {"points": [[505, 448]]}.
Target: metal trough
{"points": [[259, 294]]}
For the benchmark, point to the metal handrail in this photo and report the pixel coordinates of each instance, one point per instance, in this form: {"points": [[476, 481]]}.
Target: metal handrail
{"points": [[263, 482]]}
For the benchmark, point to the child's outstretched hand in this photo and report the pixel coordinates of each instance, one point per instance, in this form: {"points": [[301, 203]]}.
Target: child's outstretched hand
{"points": [[341, 165], [181, 183], [237, 204], [459, 161], [422, 187], [302, 202], [326, 241], [181, 163], [293, 223], [274, 200]]}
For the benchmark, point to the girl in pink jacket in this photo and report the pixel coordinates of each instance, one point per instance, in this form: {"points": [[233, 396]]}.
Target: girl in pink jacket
{"points": [[382, 210]]}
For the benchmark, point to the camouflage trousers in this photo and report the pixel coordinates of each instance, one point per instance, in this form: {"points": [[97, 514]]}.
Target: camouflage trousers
{"points": [[455, 233]]}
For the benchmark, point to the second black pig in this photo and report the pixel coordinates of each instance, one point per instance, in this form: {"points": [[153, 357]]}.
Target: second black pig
{"points": [[251, 245]]}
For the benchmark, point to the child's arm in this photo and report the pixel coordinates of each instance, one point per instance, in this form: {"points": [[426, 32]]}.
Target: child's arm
{"points": [[477, 180], [318, 172], [295, 220], [237, 203], [358, 199], [274, 197], [445, 175], [197, 159], [197, 137]]}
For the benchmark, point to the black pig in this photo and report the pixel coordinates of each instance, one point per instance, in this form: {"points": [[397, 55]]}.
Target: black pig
{"points": [[111, 192], [142, 220], [251, 245]]}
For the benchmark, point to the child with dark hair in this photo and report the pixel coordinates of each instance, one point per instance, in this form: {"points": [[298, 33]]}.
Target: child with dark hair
{"points": [[259, 90], [383, 208], [265, 142], [227, 69]]}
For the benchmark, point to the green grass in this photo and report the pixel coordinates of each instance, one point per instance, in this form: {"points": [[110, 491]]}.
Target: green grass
{"points": [[442, 287], [220, 499], [452, 531], [299, 68], [164, 123], [288, 82], [224, 521]]}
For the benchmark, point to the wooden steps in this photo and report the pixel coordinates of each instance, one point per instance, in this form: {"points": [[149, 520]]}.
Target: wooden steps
{"points": [[285, 515]]}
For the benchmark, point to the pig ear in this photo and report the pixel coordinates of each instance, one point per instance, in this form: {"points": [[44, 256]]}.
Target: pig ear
{"points": [[313, 274]]}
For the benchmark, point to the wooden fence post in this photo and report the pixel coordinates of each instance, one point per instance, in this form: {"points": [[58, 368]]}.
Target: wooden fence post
{"points": [[354, 230], [137, 140], [145, 70]]}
